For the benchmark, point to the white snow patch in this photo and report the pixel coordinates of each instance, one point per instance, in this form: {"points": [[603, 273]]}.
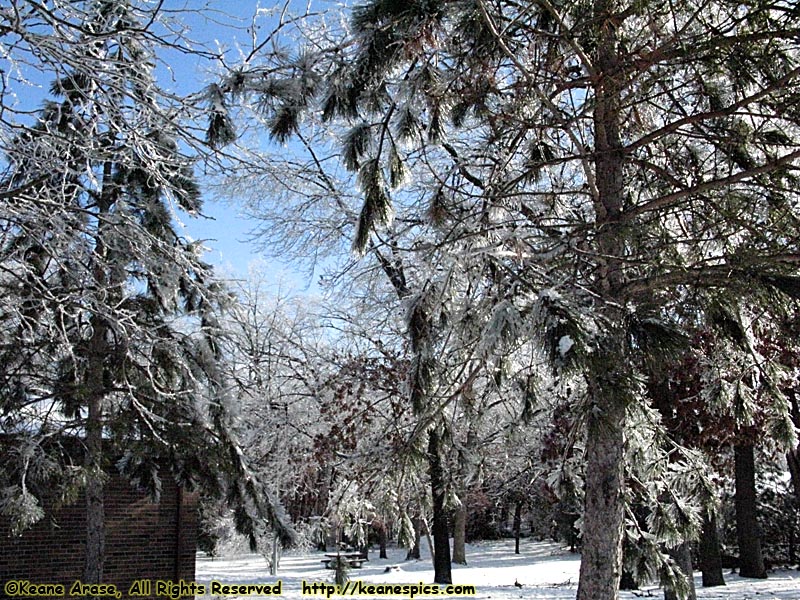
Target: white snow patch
{"points": [[549, 294], [546, 571]]}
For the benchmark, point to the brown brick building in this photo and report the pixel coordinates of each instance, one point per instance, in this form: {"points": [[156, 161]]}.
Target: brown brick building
{"points": [[144, 540]]}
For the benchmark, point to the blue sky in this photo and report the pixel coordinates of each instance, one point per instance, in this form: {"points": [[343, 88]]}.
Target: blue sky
{"points": [[226, 235], [226, 230], [215, 26], [224, 227]]}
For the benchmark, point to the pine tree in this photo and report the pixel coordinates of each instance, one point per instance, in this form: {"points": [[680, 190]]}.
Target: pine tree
{"points": [[622, 154], [109, 322]]}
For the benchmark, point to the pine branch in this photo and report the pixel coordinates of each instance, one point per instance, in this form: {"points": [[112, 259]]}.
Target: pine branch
{"points": [[377, 210], [676, 198]]}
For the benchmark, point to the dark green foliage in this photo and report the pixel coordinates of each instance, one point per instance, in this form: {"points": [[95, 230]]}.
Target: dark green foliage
{"points": [[384, 27], [377, 209], [397, 169], [356, 145], [221, 130], [786, 284], [436, 126], [407, 125], [339, 103], [208, 535], [775, 137], [613, 175], [107, 324], [284, 123], [726, 319], [656, 340], [72, 87], [398, 13], [561, 332]]}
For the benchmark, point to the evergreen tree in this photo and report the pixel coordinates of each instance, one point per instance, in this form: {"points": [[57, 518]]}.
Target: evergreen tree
{"points": [[109, 322], [624, 153]]}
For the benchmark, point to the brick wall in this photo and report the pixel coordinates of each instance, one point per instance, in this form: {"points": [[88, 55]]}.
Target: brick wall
{"points": [[144, 540]]}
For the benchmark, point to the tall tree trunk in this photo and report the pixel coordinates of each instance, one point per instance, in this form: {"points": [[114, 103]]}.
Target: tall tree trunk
{"points": [[748, 534], [793, 459], [276, 555], [380, 525], [601, 561], [793, 456], [517, 525], [95, 389], [95, 509], [441, 537], [683, 556], [94, 461], [465, 470], [460, 536], [710, 556]]}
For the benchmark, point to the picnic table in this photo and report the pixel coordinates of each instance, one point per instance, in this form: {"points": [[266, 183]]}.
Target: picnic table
{"points": [[353, 559]]}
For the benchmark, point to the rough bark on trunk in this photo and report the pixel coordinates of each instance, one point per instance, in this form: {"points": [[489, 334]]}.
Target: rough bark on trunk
{"points": [[748, 534], [710, 558], [601, 560], [683, 556], [459, 536], [95, 390], [601, 555], [95, 508], [517, 525], [793, 460], [465, 470], [441, 537]]}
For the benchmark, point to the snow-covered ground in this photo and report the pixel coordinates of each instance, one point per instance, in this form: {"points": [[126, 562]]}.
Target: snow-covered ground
{"points": [[545, 570]]}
